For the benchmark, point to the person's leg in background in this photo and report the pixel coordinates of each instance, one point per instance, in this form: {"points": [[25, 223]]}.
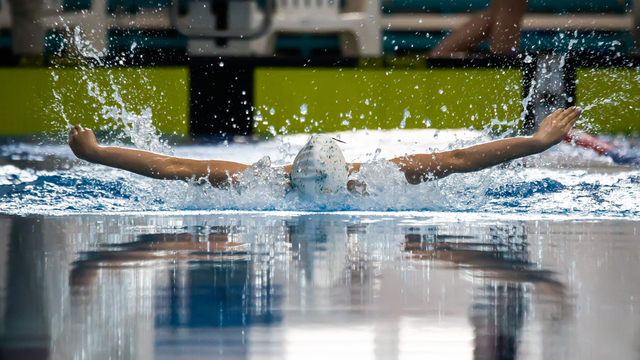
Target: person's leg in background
{"points": [[501, 23], [27, 30], [466, 37], [506, 27]]}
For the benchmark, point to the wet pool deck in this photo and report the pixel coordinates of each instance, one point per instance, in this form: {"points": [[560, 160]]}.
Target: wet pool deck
{"points": [[268, 285]]}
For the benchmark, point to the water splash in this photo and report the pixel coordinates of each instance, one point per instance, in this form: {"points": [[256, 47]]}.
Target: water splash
{"points": [[540, 186], [498, 191], [137, 125], [406, 115]]}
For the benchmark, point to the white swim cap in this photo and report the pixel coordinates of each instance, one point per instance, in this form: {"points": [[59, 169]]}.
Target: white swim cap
{"points": [[320, 167]]}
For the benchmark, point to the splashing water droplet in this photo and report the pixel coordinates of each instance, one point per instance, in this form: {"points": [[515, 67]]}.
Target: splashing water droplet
{"points": [[444, 108], [303, 109], [403, 123], [221, 64], [272, 111]]}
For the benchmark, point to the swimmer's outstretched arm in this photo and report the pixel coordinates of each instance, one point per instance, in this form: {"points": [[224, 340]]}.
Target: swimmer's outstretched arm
{"points": [[423, 167], [84, 145]]}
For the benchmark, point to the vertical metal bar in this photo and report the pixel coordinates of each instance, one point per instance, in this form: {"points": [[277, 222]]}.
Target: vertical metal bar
{"points": [[636, 24]]}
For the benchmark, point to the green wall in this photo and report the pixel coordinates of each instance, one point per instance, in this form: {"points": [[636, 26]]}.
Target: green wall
{"points": [[378, 98], [336, 99], [610, 98], [29, 105]]}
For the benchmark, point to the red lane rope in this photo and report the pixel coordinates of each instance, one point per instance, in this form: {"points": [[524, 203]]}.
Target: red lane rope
{"points": [[585, 140]]}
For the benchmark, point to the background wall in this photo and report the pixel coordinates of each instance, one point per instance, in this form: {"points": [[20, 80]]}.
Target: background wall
{"points": [[35, 100]]}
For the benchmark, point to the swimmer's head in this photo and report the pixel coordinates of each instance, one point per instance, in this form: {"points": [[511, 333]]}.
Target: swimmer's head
{"points": [[320, 167]]}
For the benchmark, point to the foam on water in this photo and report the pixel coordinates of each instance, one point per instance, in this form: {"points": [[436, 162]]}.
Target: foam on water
{"points": [[564, 181]]}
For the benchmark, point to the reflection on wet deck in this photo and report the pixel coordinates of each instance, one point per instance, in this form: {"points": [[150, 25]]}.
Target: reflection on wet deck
{"points": [[256, 286]]}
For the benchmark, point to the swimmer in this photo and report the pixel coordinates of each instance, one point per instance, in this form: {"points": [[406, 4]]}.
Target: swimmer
{"points": [[320, 166]]}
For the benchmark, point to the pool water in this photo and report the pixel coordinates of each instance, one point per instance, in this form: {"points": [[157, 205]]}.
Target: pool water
{"points": [[564, 182], [537, 259], [292, 285]]}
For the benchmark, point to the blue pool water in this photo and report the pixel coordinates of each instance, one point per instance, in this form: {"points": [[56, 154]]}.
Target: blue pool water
{"points": [[564, 182], [539, 259]]}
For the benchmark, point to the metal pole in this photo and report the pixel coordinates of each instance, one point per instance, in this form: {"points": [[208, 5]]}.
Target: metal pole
{"points": [[636, 24]]}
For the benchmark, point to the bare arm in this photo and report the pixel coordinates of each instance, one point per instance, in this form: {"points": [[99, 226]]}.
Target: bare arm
{"points": [[84, 145], [552, 130]]}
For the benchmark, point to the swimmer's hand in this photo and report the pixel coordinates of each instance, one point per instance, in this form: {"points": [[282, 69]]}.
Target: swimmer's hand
{"points": [[555, 127], [83, 143]]}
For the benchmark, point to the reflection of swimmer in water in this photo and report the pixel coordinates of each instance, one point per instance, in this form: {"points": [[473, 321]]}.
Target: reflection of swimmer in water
{"points": [[152, 248], [320, 166], [493, 261]]}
